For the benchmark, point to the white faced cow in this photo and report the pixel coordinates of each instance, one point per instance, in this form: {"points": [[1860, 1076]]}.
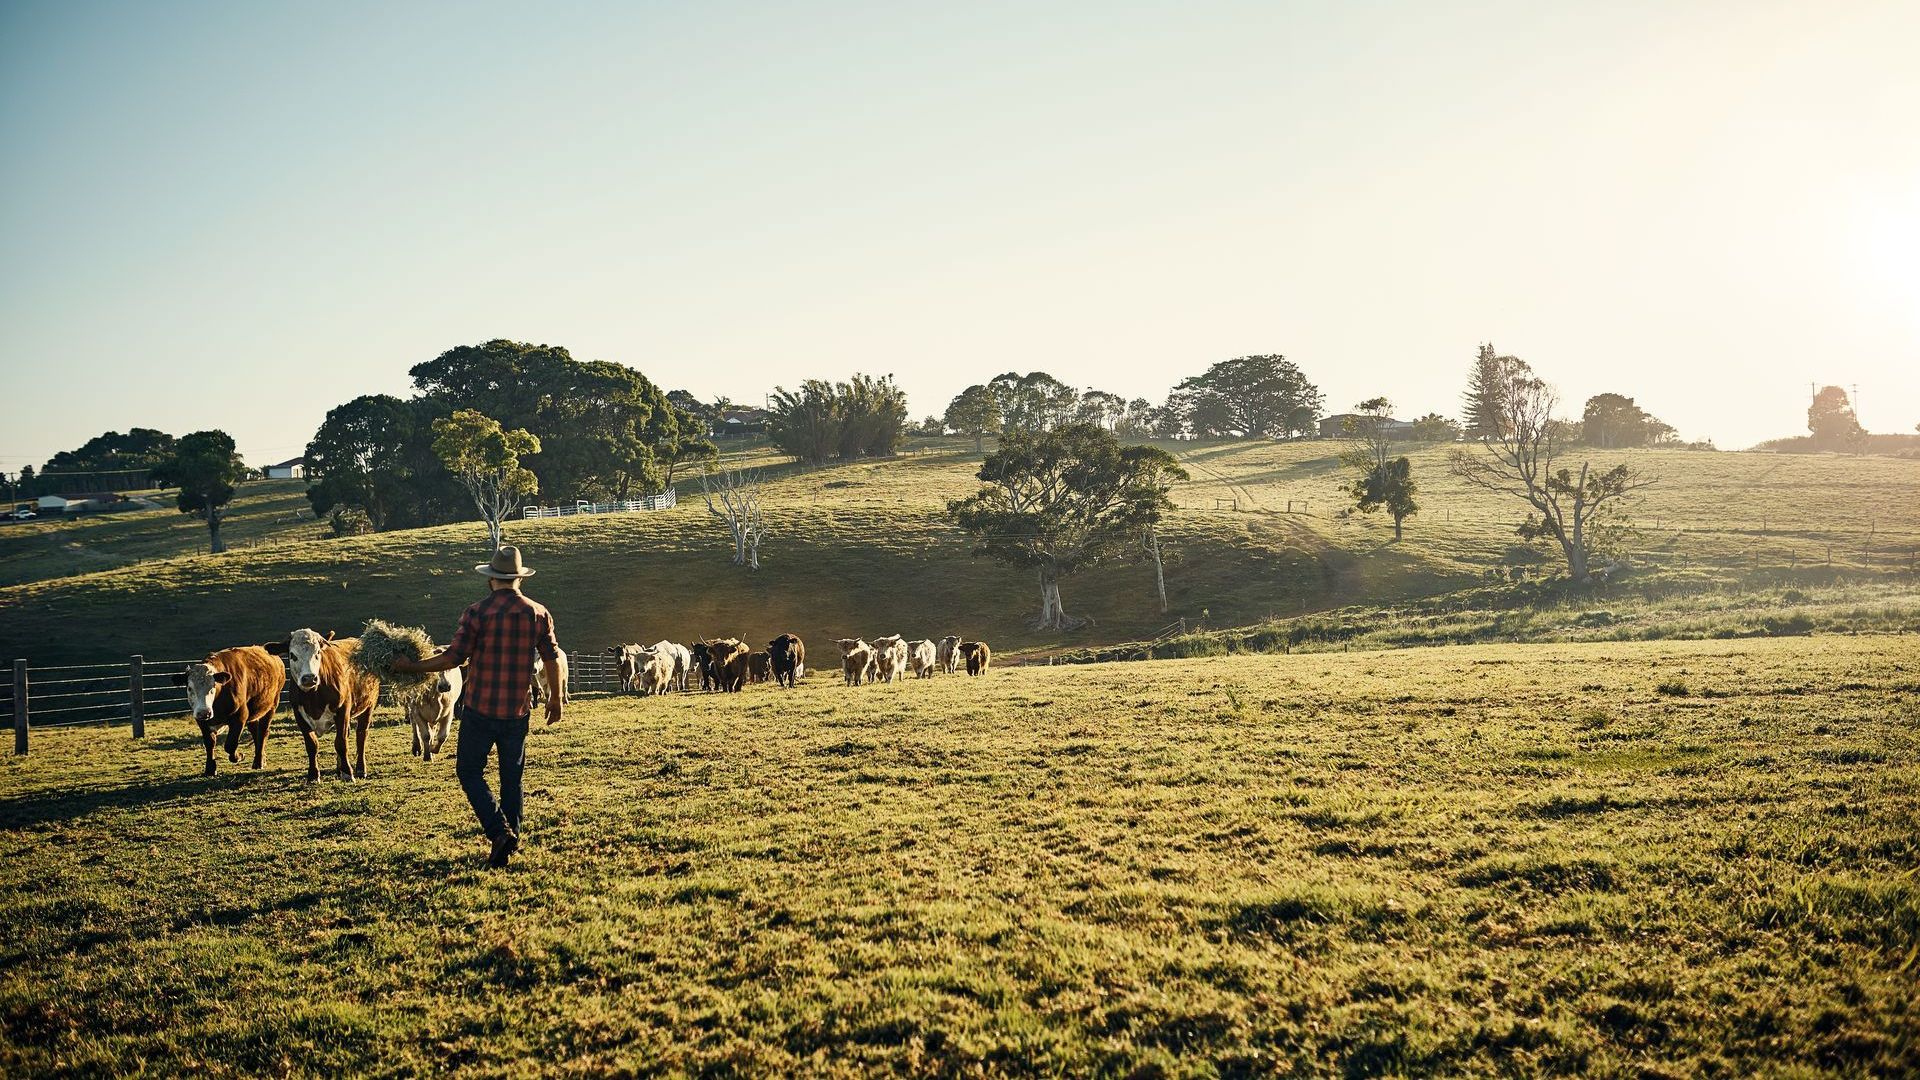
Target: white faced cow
{"points": [[329, 694], [232, 688]]}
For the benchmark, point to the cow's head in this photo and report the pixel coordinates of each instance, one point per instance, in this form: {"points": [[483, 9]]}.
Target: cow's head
{"points": [[203, 682], [303, 650], [849, 644], [450, 681]]}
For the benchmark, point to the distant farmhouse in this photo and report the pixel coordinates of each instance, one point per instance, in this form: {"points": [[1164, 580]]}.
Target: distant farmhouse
{"points": [[290, 469], [1335, 427], [736, 423]]}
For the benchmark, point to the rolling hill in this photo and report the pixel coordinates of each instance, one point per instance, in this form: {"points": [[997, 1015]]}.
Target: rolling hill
{"points": [[864, 549]]}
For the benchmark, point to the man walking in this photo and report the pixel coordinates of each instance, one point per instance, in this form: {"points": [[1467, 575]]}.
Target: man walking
{"points": [[497, 640]]}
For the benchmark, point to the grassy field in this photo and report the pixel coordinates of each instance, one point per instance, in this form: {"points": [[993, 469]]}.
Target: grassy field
{"points": [[864, 549], [1616, 859], [264, 511]]}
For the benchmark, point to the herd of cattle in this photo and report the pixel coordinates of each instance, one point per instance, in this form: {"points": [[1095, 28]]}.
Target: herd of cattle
{"points": [[728, 664], [241, 687]]}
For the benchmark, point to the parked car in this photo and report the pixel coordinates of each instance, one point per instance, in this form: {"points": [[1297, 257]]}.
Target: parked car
{"points": [[25, 513]]}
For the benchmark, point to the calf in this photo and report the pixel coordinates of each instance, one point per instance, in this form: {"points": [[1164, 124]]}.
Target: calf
{"points": [[858, 660], [949, 656], [891, 658], [978, 656], [234, 688], [329, 693], [539, 687], [759, 667], [921, 658], [431, 712], [789, 659]]}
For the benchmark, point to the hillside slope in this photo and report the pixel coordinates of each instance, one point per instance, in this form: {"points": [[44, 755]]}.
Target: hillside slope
{"points": [[264, 511], [864, 549]]}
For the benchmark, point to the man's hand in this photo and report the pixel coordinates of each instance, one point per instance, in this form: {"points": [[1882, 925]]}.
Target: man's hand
{"points": [[405, 666], [553, 710]]}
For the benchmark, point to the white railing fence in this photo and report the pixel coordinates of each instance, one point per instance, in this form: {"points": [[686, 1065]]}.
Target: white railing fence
{"points": [[663, 501]]}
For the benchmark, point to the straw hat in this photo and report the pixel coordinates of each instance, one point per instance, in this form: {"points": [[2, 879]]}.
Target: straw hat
{"points": [[505, 565]]}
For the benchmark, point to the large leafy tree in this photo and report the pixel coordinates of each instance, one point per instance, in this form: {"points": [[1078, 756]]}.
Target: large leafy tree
{"points": [[1611, 421], [1384, 481], [113, 451], [806, 422], [873, 417], [975, 412], [603, 427], [1252, 397], [1582, 511], [1058, 502], [862, 417], [1832, 421], [486, 459], [360, 457], [1033, 402], [207, 470]]}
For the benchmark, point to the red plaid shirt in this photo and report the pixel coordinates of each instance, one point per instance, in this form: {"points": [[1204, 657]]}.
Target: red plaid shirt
{"points": [[497, 638]]}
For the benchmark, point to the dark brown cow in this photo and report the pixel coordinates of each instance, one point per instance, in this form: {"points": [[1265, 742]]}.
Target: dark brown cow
{"points": [[232, 688], [977, 655], [789, 659], [759, 667], [729, 663], [329, 693]]}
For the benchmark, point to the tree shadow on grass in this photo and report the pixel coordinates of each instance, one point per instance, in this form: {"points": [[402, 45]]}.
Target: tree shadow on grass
{"points": [[60, 806]]}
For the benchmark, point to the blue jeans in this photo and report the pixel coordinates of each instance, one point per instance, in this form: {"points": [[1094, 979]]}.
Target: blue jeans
{"points": [[478, 736]]}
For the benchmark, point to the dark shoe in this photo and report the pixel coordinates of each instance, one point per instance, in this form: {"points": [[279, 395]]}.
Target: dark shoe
{"points": [[504, 846]]}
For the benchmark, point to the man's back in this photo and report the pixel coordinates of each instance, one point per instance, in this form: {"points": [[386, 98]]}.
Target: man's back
{"points": [[498, 638]]}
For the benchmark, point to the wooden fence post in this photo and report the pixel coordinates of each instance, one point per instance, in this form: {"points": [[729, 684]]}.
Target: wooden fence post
{"points": [[20, 708], [137, 695]]}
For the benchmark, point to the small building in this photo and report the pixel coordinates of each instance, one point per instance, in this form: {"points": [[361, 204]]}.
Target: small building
{"points": [[741, 422], [78, 502], [290, 469], [1335, 427]]}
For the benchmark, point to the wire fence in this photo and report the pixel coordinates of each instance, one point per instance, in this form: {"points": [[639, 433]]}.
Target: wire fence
{"points": [[137, 689]]}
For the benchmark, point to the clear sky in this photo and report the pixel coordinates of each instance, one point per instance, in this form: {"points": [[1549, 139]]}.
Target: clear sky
{"points": [[240, 215]]}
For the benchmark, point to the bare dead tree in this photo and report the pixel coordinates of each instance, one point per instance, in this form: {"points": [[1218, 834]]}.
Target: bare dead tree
{"points": [[738, 504], [1583, 511]]}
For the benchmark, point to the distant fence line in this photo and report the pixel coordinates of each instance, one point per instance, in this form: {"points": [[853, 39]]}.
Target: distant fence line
{"points": [[75, 695], [662, 501]]}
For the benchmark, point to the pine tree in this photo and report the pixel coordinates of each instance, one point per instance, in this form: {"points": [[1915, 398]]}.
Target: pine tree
{"points": [[1484, 405]]}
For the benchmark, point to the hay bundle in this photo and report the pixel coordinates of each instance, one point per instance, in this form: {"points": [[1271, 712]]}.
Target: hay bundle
{"points": [[381, 642]]}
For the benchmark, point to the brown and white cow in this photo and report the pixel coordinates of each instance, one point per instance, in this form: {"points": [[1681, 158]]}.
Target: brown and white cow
{"points": [[857, 660], [231, 689], [949, 654], [977, 655], [330, 693], [431, 712], [789, 655]]}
